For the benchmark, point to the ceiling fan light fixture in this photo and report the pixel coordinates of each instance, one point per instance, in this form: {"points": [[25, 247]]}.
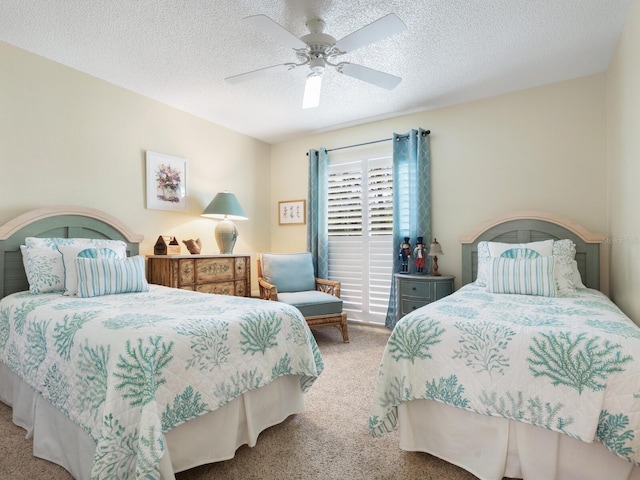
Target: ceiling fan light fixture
{"points": [[312, 88], [317, 50]]}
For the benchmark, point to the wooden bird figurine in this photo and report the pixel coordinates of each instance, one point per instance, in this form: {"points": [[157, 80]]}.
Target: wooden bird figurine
{"points": [[194, 246]]}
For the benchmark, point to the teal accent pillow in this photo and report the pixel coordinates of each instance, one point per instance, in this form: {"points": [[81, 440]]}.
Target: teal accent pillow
{"points": [[520, 253], [290, 272], [522, 276], [109, 276]]}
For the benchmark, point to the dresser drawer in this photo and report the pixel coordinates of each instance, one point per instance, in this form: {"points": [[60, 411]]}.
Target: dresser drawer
{"points": [[213, 269], [416, 289], [222, 288], [222, 274], [237, 288]]}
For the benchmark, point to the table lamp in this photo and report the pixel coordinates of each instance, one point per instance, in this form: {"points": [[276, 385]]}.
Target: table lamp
{"points": [[434, 251], [225, 206]]}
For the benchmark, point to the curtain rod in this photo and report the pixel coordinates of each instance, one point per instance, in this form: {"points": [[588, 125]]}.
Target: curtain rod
{"points": [[424, 134]]}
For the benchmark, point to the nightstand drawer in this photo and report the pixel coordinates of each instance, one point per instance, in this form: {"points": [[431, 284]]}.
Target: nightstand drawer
{"points": [[408, 306], [416, 289]]}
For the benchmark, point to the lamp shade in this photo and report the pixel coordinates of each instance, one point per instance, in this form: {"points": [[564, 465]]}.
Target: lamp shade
{"points": [[225, 205], [435, 249]]}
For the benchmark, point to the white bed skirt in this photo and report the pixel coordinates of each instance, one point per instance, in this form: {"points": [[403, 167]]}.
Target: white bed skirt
{"points": [[492, 448], [211, 438]]}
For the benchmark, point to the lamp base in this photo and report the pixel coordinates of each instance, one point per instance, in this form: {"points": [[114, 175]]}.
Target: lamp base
{"points": [[226, 234], [435, 272]]}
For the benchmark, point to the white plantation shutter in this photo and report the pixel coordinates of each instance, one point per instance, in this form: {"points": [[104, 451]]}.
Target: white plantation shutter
{"points": [[360, 235]]}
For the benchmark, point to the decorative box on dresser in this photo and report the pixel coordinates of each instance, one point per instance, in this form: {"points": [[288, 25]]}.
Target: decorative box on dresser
{"points": [[223, 274], [416, 290]]}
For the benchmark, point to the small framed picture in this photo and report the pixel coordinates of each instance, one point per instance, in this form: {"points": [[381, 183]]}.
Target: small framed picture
{"points": [[166, 182], [292, 212]]}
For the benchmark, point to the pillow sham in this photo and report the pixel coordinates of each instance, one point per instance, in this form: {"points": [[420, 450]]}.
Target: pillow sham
{"points": [[44, 269], [564, 252], [55, 242], [71, 252], [487, 250], [522, 276], [577, 278], [109, 276]]}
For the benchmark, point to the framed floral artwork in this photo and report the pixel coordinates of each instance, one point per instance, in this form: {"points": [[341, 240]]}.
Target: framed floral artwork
{"points": [[166, 182], [292, 212]]}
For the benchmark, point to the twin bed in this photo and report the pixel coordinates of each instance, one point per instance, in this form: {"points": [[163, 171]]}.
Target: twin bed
{"points": [[526, 371], [542, 382], [130, 380]]}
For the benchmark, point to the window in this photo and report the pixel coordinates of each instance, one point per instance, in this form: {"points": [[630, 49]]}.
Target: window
{"points": [[360, 235]]}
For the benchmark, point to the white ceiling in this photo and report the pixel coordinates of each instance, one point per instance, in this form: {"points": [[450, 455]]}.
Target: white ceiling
{"points": [[180, 51]]}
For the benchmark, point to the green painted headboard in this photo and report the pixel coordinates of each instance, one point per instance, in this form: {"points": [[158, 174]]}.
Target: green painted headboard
{"points": [[65, 222], [523, 227]]}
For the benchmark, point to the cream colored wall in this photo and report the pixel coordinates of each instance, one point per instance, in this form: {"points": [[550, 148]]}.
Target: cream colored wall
{"points": [[623, 133], [69, 138], [541, 149]]}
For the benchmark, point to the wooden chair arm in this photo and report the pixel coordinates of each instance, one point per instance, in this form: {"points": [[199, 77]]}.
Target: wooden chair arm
{"points": [[267, 290], [328, 286]]}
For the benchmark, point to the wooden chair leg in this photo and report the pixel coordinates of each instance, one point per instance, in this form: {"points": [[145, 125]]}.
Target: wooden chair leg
{"points": [[343, 327]]}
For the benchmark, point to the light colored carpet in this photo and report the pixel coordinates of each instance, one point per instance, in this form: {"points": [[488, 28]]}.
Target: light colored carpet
{"points": [[329, 441]]}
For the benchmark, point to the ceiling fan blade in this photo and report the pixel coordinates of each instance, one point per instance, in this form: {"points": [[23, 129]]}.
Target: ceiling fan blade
{"points": [[312, 88], [243, 77], [277, 31], [369, 75], [374, 32]]}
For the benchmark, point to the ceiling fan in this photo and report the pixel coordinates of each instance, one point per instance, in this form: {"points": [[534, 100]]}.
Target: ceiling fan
{"points": [[317, 50]]}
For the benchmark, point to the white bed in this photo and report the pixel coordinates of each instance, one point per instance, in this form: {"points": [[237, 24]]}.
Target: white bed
{"points": [[491, 444], [213, 435]]}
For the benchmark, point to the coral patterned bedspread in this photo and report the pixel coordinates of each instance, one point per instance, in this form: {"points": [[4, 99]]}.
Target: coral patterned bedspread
{"points": [[570, 364], [128, 368]]}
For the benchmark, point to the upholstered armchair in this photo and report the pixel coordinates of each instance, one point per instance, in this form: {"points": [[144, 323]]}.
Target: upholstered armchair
{"points": [[290, 278]]}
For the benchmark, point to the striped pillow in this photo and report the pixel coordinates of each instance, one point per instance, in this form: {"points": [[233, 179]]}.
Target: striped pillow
{"points": [[524, 276], [71, 252], [108, 276]]}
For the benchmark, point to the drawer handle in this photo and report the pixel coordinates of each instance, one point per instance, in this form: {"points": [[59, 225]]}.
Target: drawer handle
{"points": [[414, 289]]}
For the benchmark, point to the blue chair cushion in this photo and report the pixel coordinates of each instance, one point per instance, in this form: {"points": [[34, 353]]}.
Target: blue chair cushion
{"points": [[312, 302], [290, 272]]}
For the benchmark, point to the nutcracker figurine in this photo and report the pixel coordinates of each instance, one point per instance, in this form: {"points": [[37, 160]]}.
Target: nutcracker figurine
{"points": [[419, 254], [405, 254]]}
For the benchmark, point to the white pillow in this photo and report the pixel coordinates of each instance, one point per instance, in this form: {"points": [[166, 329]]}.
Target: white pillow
{"points": [[71, 252], [521, 250], [44, 269], [487, 250], [108, 276], [523, 276]]}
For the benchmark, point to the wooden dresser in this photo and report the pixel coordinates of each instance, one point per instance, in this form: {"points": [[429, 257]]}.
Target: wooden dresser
{"points": [[223, 274]]}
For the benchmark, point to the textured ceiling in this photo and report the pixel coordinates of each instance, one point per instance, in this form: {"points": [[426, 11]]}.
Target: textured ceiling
{"points": [[180, 51]]}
